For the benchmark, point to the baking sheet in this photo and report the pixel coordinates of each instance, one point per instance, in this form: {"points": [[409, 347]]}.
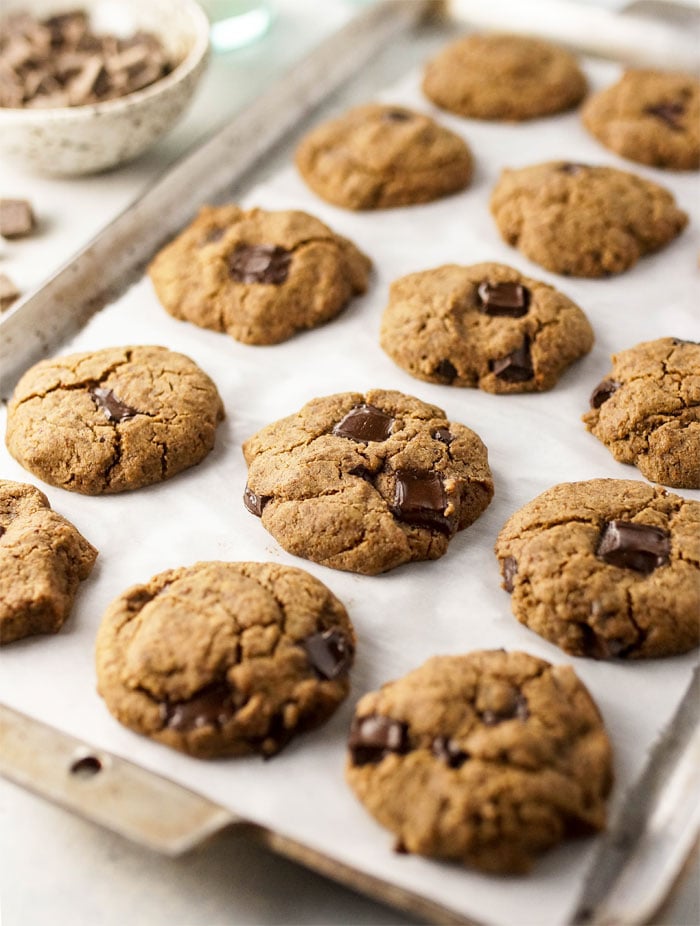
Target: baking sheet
{"points": [[452, 605]]}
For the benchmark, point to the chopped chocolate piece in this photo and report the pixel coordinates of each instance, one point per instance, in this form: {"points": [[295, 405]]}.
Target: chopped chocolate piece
{"points": [[515, 367], [259, 263], [510, 570], [374, 737], [91, 81], [214, 234], [634, 546], [572, 168], [503, 299], [603, 391], [254, 503], [443, 435], [446, 749], [115, 410], [516, 710], [596, 647], [419, 498], [211, 707], [669, 113], [678, 341], [16, 218], [446, 369], [330, 653], [8, 292], [365, 423], [396, 115]]}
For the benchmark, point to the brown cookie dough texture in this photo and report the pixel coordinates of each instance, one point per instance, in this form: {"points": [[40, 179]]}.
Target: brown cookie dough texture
{"points": [[505, 77], [486, 325], [224, 659], [368, 482], [113, 419], [584, 221], [42, 560], [652, 117], [647, 411], [487, 759], [378, 156], [606, 568], [258, 276]]}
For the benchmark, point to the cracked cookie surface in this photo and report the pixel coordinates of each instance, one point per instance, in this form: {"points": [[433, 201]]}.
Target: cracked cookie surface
{"points": [[504, 77], [115, 419], [581, 220], [647, 411], [652, 117], [225, 659], [259, 276], [487, 758], [378, 156], [367, 482], [606, 568], [486, 326], [43, 558]]}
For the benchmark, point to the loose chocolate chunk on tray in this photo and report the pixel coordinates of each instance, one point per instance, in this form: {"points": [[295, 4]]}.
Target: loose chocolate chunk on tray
{"points": [[8, 292], [16, 218]]}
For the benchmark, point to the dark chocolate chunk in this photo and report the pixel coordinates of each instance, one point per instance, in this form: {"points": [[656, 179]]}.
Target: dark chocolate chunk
{"points": [[443, 435], [86, 767], [515, 367], [419, 498], [115, 410], [669, 113], [446, 370], [214, 234], [678, 341], [211, 707], [330, 653], [572, 168], [254, 503], [595, 646], [603, 391], [510, 570], [16, 218], [365, 423], [396, 115], [503, 299], [446, 749], [8, 292], [516, 710], [374, 737], [634, 546], [259, 263]]}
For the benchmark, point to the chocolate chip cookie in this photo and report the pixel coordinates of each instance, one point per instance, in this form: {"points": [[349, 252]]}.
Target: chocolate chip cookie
{"points": [[224, 659], [368, 482], [649, 116], [114, 419], [647, 411], [486, 325], [378, 156], [259, 276], [42, 560], [606, 568], [581, 220], [504, 77], [487, 759]]}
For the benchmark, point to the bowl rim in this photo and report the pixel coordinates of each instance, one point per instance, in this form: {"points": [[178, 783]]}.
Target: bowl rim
{"points": [[194, 57]]}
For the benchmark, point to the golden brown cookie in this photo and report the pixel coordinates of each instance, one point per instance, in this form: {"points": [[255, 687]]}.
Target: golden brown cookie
{"points": [[224, 659], [377, 156], [487, 759], [258, 276]]}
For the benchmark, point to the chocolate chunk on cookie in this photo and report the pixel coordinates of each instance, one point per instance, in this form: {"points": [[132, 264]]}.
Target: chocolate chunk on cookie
{"points": [[43, 558], [259, 276], [647, 411], [606, 568], [504, 77], [224, 659], [486, 326], [581, 220], [487, 759], [368, 482], [652, 117], [113, 419], [377, 156]]}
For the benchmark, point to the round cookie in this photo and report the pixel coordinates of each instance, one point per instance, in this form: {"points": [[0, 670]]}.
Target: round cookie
{"points": [[647, 411], [652, 117], [487, 759], [114, 419], [259, 276], [584, 221], [606, 568], [377, 156], [225, 659], [486, 325], [368, 482], [43, 558], [504, 77]]}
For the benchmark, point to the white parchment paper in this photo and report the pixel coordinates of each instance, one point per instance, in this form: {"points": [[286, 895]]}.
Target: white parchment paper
{"points": [[449, 606]]}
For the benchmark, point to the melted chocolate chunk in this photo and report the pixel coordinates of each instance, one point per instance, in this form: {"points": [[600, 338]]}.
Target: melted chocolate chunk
{"points": [[678, 341], [510, 570], [446, 370], [374, 737], [211, 707], [515, 367], [669, 113], [603, 391], [255, 503], [419, 498], [517, 710], [364, 423], [259, 263], [446, 749], [329, 653], [503, 299], [443, 435], [572, 168], [634, 546], [596, 647], [214, 234], [396, 115], [115, 410]]}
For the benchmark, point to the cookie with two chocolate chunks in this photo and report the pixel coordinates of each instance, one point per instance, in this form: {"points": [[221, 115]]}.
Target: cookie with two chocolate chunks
{"points": [[448, 757], [606, 568], [225, 659], [367, 482], [258, 276], [485, 326], [113, 419]]}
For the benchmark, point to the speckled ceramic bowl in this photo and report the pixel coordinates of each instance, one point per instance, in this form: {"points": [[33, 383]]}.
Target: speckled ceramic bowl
{"points": [[86, 139]]}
